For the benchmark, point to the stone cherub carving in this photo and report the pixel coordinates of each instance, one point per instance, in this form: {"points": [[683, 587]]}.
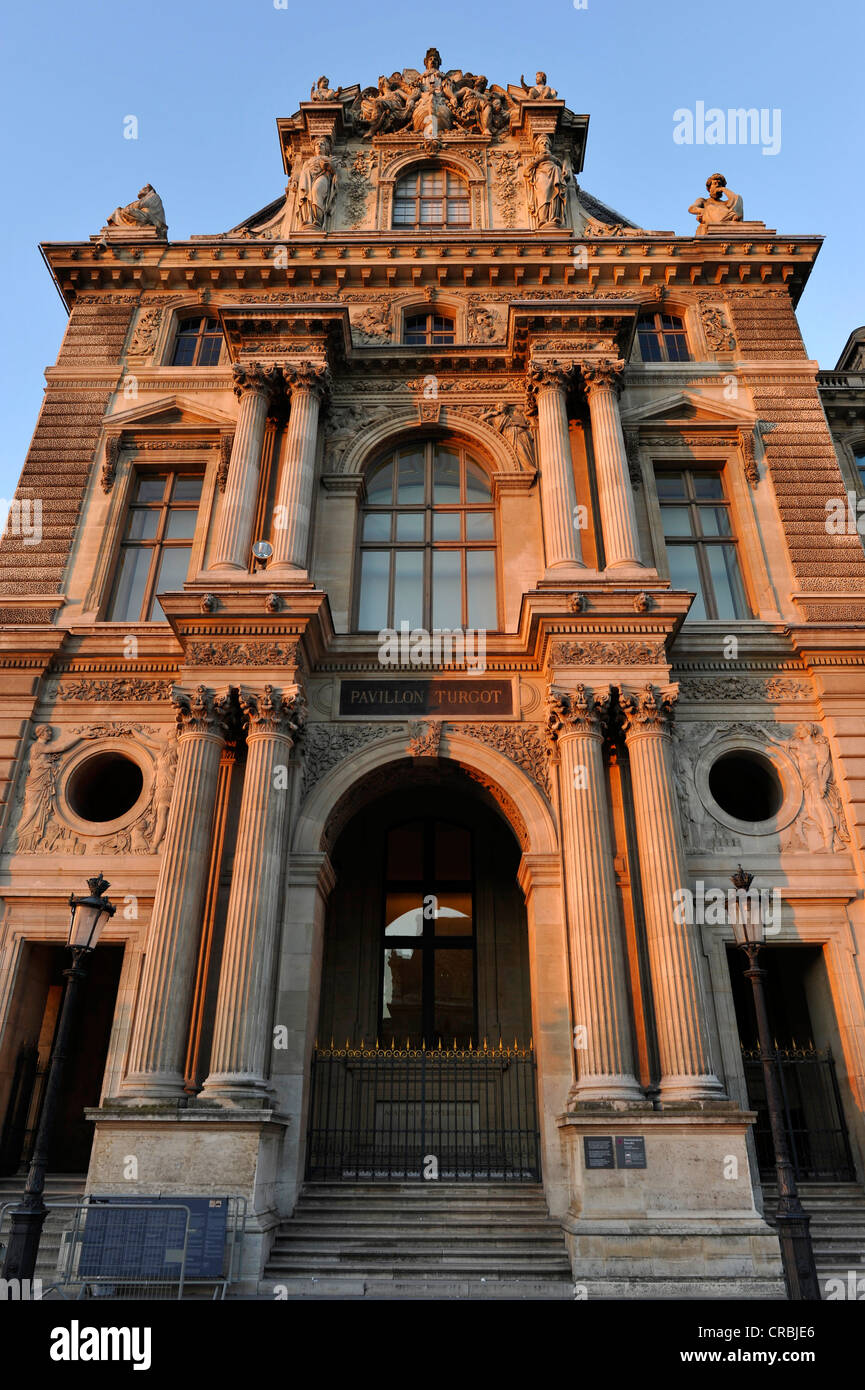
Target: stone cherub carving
{"points": [[316, 187], [322, 91], [722, 205], [146, 211], [547, 178]]}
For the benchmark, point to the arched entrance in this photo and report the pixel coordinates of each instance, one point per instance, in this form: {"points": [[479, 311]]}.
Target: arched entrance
{"points": [[425, 1064]]}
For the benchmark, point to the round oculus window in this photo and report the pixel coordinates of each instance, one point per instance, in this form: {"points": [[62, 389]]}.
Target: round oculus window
{"points": [[746, 786], [104, 787]]}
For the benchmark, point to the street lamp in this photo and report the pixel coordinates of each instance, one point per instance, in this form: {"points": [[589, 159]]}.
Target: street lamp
{"points": [[89, 916], [794, 1233]]}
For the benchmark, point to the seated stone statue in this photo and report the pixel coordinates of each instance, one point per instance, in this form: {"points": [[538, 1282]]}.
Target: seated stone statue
{"points": [[322, 91], [541, 90], [146, 211], [722, 205]]}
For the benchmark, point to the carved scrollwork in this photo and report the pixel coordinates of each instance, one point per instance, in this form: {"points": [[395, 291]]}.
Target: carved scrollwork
{"points": [[274, 711], [648, 711]]}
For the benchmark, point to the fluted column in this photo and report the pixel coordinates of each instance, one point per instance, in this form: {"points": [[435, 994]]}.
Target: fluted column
{"points": [[239, 1058], [548, 386], [254, 385], [604, 1051], [674, 949], [160, 1034], [615, 493], [309, 383]]}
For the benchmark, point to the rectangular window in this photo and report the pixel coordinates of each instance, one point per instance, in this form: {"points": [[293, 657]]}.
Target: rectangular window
{"points": [[157, 545], [702, 551]]}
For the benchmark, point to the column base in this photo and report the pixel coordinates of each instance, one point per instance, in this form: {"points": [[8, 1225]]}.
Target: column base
{"points": [[283, 572], [195, 1153], [230, 1091], [159, 1088], [685, 1226], [607, 1090], [691, 1089], [566, 573]]}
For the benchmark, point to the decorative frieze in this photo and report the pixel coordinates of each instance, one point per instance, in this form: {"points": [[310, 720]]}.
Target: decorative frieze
{"points": [[522, 743], [598, 652], [239, 653], [325, 745]]}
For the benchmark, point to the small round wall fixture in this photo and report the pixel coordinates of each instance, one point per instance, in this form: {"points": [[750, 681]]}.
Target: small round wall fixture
{"points": [[261, 552], [104, 787]]}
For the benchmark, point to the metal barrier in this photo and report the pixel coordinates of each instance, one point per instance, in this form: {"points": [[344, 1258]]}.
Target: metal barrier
{"points": [[813, 1116], [391, 1113], [146, 1248]]}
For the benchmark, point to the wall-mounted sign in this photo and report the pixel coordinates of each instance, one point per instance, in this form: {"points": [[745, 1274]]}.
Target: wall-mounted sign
{"points": [[630, 1151], [598, 1151], [454, 699]]}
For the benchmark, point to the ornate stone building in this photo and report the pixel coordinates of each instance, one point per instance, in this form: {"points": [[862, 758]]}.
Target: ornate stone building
{"points": [[413, 597]]}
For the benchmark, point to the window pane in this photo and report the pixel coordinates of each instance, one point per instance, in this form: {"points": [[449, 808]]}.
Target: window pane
{"points": [[408, 588], [446, 476], [379, 486], [402, 991], [181, 525], [411, 477], [677, 521], [446, 526], [447, 592], [374, 573], [677, 347], [431, 181], [187, 488], [403, 213], [650, 347], [708, 485], [726, 581], [481, 580], [184, 350], [405, 851], [453, 852], [670, 485], [130, 585], [454, 996], [684, 574], [209, 353], [477, 483], [479, 526], [403, 914], [715, 521], [453, 914], [458, 214], [173, 569], [376, 526], [151, 487], [431, 212], [409, 526], [143, 523]]}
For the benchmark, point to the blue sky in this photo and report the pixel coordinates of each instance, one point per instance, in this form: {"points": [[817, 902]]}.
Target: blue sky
{"points": [[206, 81]]}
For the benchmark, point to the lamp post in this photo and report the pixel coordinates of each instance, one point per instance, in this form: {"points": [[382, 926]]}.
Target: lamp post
{"points": [[794, 1224], [89, 916]]}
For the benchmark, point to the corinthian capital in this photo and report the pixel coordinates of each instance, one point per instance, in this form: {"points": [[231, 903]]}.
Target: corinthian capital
{"points": [[201, 711], [648, 711], [308, 376], [578, 711], [602, 376], [275, 712], [252, 376], [552, 373]]}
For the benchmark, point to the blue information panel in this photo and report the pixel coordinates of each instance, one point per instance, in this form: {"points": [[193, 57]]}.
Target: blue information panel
{"points": [[146, 1243]]}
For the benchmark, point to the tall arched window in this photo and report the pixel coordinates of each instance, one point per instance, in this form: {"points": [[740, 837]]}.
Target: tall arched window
{"points": [[428, 542], [428, 198], [198, 342]]}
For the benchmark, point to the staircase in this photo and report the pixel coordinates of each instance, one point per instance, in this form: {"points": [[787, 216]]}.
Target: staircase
{"points": [[837, 1212], [59, 1187], [420, 1240]]}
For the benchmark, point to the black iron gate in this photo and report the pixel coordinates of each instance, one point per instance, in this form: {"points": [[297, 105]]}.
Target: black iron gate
{"points": [[813, 1116], [379, 1114]]}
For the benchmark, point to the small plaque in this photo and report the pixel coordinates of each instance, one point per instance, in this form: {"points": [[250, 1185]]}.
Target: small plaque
{"points": [[455, 699], [630, 1151], [598, 1151]]}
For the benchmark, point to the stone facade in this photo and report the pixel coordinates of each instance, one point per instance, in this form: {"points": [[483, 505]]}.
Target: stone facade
{"points": [[621, 705]]}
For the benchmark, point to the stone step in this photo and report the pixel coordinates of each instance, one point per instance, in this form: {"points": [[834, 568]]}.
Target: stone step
{"points": [[452, 1264], [397, 1228], [373, 1286]]}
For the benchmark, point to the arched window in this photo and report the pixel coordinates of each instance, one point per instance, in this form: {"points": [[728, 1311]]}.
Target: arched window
{"points": [[428, 198], [662, 338], [198, 342], [428, 547], [429, 328]]}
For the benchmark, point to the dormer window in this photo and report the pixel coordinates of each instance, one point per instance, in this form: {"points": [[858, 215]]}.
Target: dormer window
{"points": [[426, 199], [198, 342], [662, 338], [429, 330]]}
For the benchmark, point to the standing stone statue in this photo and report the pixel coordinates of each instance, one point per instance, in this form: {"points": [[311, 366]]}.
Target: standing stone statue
{"points": [[548, 186], [722, 205], [316, 187], [40, 791], [510, 421], [162, 787], [146, 211], [433, 101]]}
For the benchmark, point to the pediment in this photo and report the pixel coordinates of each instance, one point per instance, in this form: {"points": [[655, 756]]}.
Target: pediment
{"points": [[690, 408], [170, 413]]}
